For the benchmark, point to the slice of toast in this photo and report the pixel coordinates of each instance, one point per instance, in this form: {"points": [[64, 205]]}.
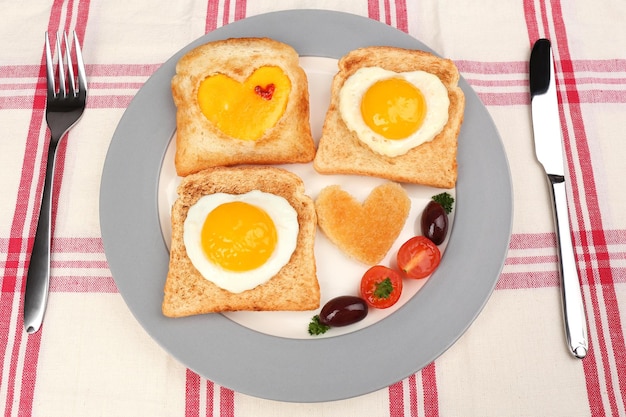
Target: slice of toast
{"points": [[364, 231], [295, 287], [432, 163], [201, 144]]}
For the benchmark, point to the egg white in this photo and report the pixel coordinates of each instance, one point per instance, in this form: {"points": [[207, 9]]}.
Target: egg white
{"points": [[433, 90], [285, 219]]}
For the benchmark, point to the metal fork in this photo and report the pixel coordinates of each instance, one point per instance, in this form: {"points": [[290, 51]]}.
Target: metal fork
{"points": [[64, 107]]}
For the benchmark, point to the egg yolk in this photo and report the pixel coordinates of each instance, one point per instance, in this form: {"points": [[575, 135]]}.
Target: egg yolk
{"points": [[238, 236], [393, 108], [245, 110]]}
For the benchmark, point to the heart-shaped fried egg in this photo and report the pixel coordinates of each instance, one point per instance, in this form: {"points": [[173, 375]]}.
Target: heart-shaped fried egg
{"points": [[394, 112], [240, 241]]}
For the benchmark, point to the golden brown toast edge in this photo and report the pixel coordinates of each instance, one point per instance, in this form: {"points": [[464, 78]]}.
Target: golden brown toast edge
{"points": [[295, 287]]}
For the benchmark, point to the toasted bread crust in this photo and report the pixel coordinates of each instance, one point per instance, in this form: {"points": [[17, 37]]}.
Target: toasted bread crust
{"points": [[432, 163], [295, 287], [200, 144]]}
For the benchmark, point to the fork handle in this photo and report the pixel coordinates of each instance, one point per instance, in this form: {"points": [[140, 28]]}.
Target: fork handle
{"points": [[38, 278]]}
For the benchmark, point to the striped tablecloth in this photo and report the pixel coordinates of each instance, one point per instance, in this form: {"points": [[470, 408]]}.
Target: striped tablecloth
{"points": [[92, 357]]}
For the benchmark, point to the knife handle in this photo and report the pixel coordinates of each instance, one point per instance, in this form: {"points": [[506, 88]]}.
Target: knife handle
{"points": [[573, 308]]}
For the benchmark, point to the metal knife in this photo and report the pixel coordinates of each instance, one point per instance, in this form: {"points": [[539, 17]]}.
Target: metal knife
{"points": [[549, 150]]}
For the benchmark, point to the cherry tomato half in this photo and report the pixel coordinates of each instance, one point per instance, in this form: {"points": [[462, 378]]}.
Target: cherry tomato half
{"points": [[418, 257], [381, 286]]}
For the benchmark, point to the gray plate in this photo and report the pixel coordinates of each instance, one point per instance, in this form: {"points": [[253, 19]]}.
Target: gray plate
{"points": [[294, 369]]}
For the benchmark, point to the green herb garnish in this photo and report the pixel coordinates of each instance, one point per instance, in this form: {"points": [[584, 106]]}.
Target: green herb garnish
{"points": [[316, 327], [446, 201]]}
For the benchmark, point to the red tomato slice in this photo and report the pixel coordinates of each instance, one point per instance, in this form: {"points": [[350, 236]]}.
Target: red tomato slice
{"points": [[418, 257], [381, 286]]}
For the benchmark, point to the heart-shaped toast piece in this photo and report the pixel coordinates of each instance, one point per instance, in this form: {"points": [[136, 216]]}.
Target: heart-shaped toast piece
{"points": [[245, 110], [364, 231]]}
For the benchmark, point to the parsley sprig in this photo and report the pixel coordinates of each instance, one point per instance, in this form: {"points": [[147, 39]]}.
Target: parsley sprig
{"points": [[316, 327], [446, 201]]}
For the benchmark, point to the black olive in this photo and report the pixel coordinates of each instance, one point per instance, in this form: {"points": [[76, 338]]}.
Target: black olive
{"points": [[434, 222], [343, 310]]}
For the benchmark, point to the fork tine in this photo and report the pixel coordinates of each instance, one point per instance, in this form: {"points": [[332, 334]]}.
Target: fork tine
{"points": [[70, 65], [82, 75], [49, 69], [62, 89]]}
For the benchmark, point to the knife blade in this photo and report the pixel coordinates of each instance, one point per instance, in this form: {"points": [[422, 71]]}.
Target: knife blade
{"points": [[549, 150]]}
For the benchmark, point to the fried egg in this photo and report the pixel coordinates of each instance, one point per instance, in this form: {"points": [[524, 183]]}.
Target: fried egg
{"points": [[240, 241], [394, 112]]}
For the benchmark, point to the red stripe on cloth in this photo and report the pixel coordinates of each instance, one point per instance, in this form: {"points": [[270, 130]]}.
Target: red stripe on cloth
{"points": [[540, 259], [478, 67], [66, 245], [475, 82], [121, 101], [29, 373], [111, 85], [592, 384], [531, 20], [597, 345], [488, 78], [19, 70], [225, 15], [387, 7], [498, 68], [402, 20], [78, 245], [373, 11], [544, 17], [91, 280], [532, 240], [12, 281], [429, 385], [27, 379], [209, 398], [399, 21], [527, 280], [593, 214], [396, 399], [600, 65], [192, 394], [94, 70], [82, 264], [504, 99], [227, 402], [81, 284], [113, 70], [110, 102], [602, 96], [240, 9], [593, 80], [413, 406], [429, 395], [4, 344], [213, 20], [68, 16], [211, 15], [15, 87], [82, 17], [97, 102]]}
